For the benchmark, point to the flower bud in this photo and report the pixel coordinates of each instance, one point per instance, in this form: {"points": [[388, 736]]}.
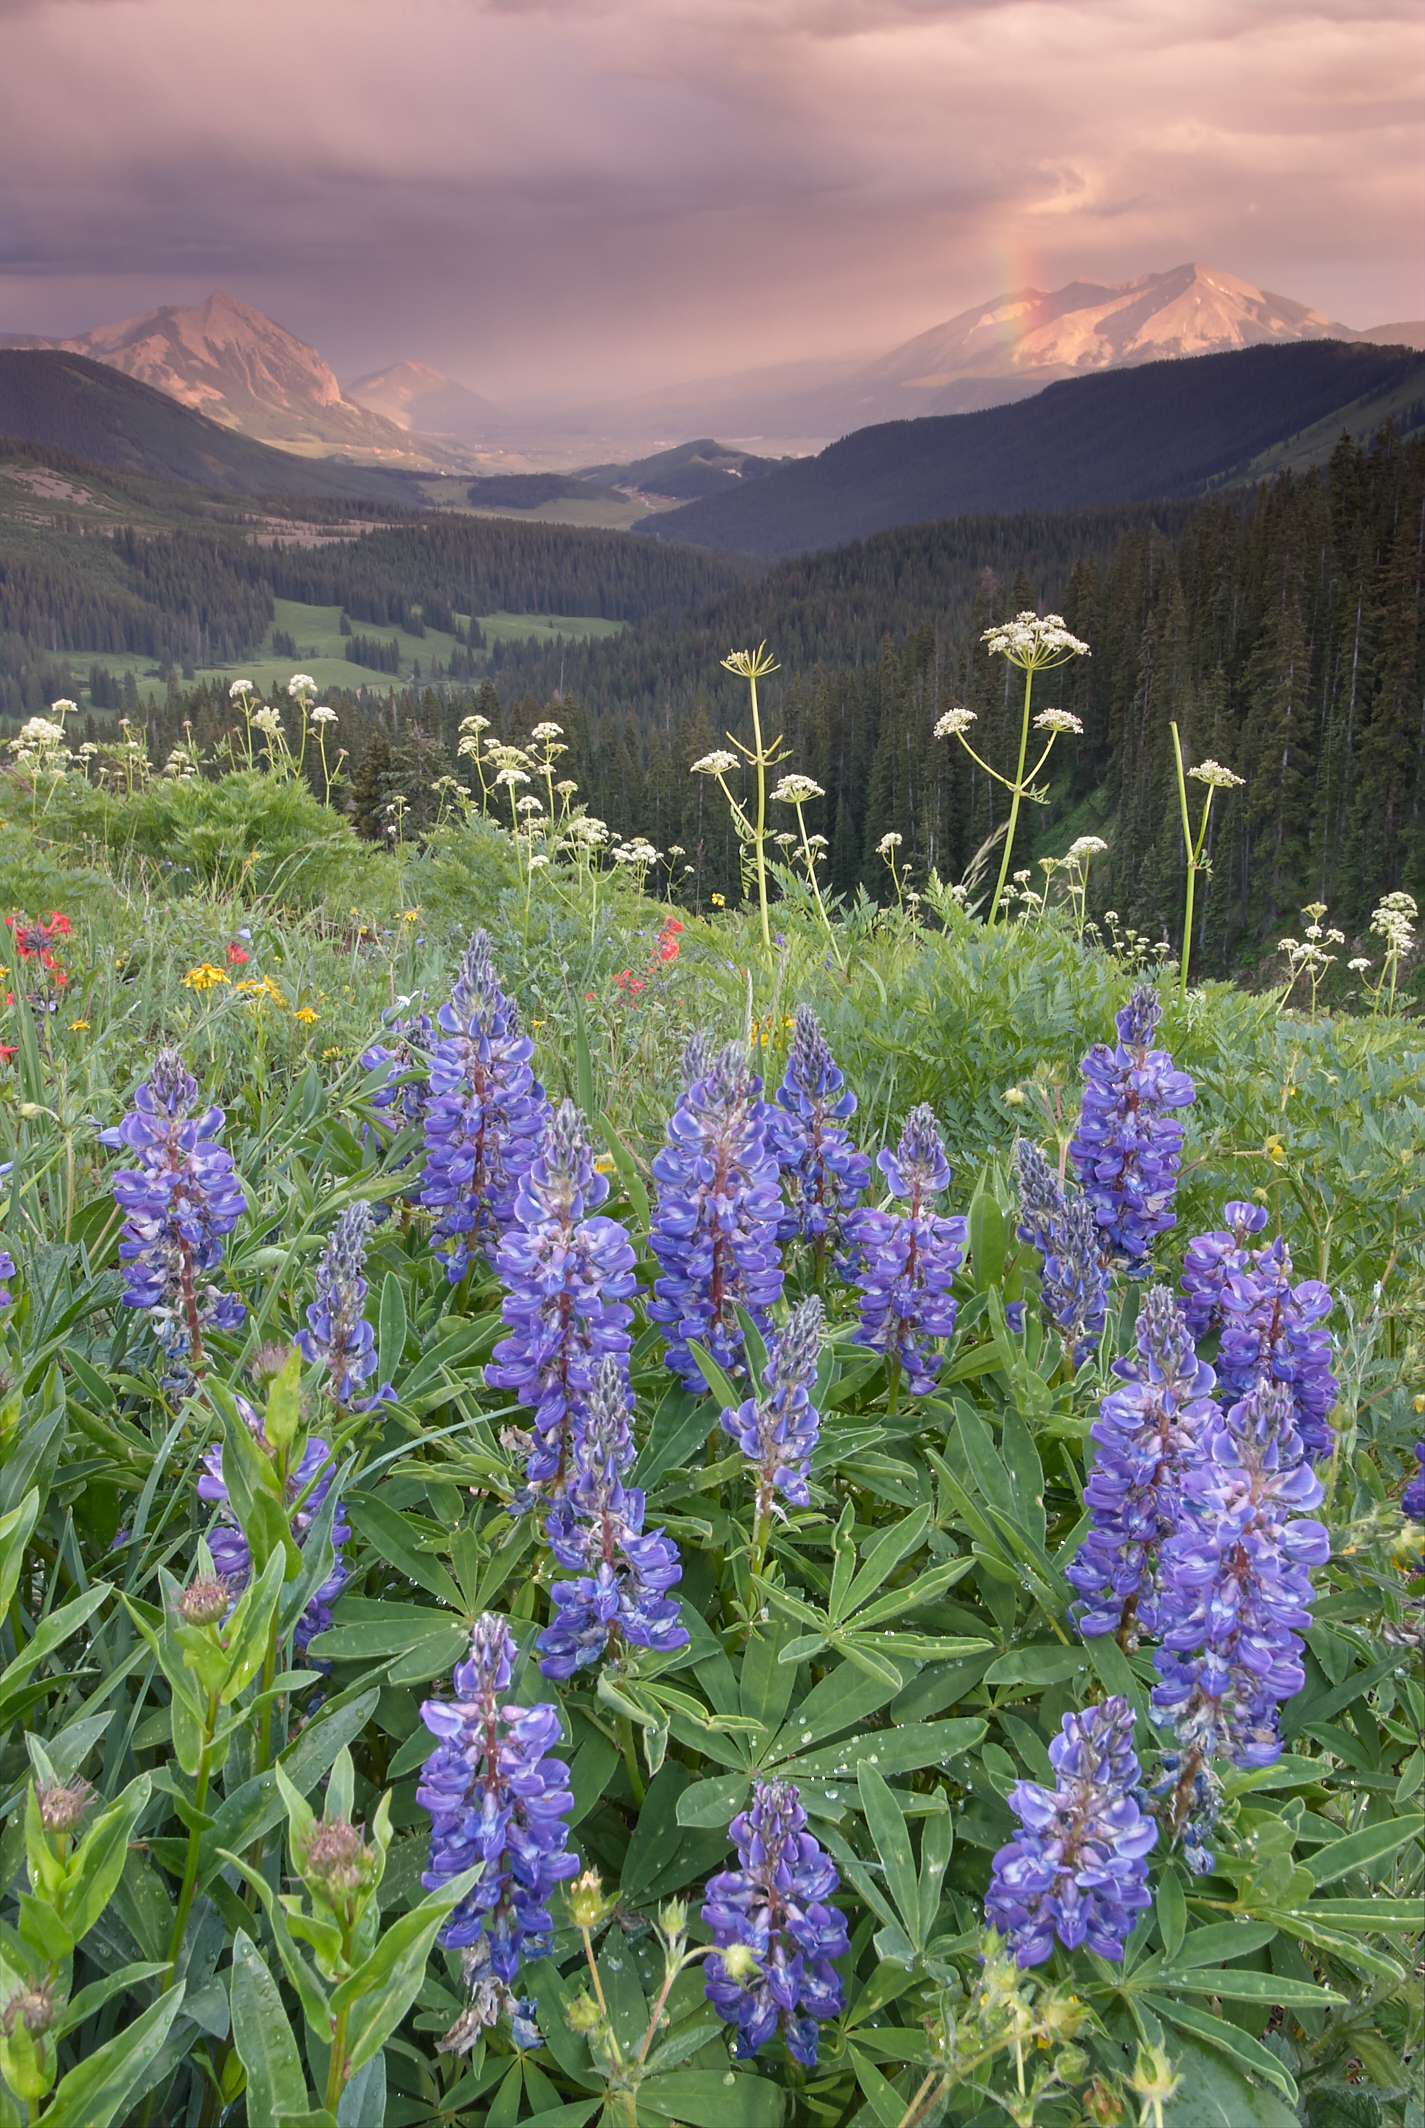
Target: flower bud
{"points": [[583, 2013], [1102, 2103], [34, 2008], [1062, 2016], [205, 1601], [61, 1808], [337, 1857], [1071, 2065], [586, 1902]]}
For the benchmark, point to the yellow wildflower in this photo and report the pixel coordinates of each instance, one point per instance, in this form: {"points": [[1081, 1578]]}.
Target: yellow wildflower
{"points": [[603, 1164], [719, 901], [306, 1016], [260, 989], [329, 1056], [77, 1026], [205, 977], [410, 916]]}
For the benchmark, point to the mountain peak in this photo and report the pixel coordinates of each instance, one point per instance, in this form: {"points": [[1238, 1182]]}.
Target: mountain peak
{"points": [[1027, 337]]}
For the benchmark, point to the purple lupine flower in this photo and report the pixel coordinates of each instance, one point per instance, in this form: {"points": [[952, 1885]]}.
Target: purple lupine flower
{"points": [[405, 1044], [181, 1197], [1073, 1274], [1412, 1500], [1078, 1870], [1234, 1582], [1271, 1329], [232, 1558], [824, 1171], [338, 1334], [1127, 1151], [909, 1257], [596, 1531], [1147, 1436], [7, 1272], [484, 1116], [715, 1229], [778, 1430], [1212, 1259], [775, 1906], [495, 1795], [568, 1279]]}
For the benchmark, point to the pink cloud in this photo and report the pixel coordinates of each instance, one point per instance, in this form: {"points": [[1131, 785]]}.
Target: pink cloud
{"points": [[571, 198]]}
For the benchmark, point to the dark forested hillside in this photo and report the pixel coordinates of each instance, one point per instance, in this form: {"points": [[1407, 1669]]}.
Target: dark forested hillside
{"points": [[72, 404], [1279, 627], [100, 569], [1169, 428]]}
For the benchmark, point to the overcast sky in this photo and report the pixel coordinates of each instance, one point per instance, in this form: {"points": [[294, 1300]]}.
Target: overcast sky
{"points": [[606, 195]]}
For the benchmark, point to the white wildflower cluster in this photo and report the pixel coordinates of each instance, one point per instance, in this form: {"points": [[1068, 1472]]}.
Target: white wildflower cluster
{"points": [[1394, 921], [953, 722], [1057, 720], [714, 764], [797, 790], [636, 853], [1216, 776], [888, 844], [324, 715], [1034, 641], [1085, 847]]}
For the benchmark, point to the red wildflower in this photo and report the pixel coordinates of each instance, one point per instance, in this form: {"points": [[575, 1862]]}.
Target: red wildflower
{"points": [[8, 1049], [236, 956]]}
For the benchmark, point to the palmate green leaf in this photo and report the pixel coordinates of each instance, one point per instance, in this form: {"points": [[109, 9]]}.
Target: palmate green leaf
{"points": [[1359, 1850], [391, 1332], [714, 1802], [1215, 2092], [391, 1538], [1234, 1986], [96, 2089], [710, 2098], [263, 2037], [885, 1821]]}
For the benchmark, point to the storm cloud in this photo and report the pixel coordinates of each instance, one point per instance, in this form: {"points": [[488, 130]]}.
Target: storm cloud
{"points": [[565, 200]]}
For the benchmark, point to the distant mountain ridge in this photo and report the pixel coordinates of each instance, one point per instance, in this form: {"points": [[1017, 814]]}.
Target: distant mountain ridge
{"points": [[228, 361], [1146, 433], [997, 352], [415, 396], [72, 403]]}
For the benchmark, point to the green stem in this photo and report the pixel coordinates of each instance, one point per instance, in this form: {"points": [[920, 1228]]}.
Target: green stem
{"points": [[1016, 791], [761, 815], [623, 1730], [1191, 862], [336, 2068], [190, 1866], [264, 1719]]}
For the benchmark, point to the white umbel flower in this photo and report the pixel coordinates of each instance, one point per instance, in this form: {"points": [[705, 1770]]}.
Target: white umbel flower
{"points": [[714, 764], [1219, 778], [797, 790], [953, 722]]}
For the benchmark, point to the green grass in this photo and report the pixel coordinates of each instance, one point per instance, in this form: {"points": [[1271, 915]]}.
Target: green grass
{"points": [[321, 648]]}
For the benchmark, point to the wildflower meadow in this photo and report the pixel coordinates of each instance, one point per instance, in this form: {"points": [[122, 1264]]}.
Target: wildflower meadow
{"points": [[804, 1517]]}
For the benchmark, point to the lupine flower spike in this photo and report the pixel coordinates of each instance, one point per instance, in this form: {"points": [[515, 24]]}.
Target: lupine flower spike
{"points": [[496, 1796], [824, 1172], [181, 1197], [1078, 1871], [568, 1279], [231, 1555], [1234, 1582], [7, 1272], [909, 1257], [778, 1430], [596, 1532], [338, 1334], [715, 1230], [1073, 1277], [1272, 1330], [484, 1116], [1147, 1434], [775, 1933], [1128, 1150]]}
